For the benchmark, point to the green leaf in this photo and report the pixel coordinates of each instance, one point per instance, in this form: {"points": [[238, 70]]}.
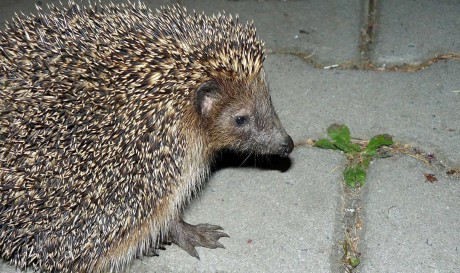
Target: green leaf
{"points": [[347, 147], [354, 261], [342, 145], [355, 176], [339, 133], [325, 144], [377, 141], [355, 147]]}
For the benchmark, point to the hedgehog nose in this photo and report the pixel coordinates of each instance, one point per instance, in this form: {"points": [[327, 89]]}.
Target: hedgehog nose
{"points": [[287, 146]]}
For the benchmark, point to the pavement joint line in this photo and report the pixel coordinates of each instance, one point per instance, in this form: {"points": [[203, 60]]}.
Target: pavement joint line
{"points": [[353, 225], [307, 57], [438, 163], [353, 204], [452, 56], [367, 35], [349, 231], [366, 44]]}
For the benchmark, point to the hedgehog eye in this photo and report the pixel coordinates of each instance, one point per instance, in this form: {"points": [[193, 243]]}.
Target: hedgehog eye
{"points": [[241, 120]]}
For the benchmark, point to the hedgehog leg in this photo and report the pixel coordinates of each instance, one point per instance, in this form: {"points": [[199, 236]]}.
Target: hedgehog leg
{"points": [[189, 236]]}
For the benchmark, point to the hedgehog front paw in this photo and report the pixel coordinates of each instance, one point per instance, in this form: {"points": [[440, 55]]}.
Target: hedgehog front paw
{"points": [[189, 236]]}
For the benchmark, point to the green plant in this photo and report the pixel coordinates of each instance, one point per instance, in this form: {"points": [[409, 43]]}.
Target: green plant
{"points": [[350, 255], [359, 155]]}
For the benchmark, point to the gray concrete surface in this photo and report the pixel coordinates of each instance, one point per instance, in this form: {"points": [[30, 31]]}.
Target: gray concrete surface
{"points": [[324, 30], [288, 216], [277, 221], [413, 31], [412, 225]]}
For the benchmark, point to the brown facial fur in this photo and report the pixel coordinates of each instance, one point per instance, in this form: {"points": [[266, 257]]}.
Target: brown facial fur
{"points": [[261, 132]]}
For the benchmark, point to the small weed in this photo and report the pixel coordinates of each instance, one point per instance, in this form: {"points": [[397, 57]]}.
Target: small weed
{"points": [[359, 155], [350, 256]]}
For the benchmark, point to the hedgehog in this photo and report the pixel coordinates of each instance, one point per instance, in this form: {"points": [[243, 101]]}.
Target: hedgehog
{"points": [[110, 118]]}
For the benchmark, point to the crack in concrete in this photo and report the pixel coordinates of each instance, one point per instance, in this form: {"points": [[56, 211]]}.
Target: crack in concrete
{"points": [[352, 65], [353, 226], [349, 223], [438, 163], [352, 208], [367, 36]]}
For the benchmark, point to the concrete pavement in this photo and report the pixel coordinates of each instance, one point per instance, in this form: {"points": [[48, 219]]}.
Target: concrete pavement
{"points": [[294, 215]]}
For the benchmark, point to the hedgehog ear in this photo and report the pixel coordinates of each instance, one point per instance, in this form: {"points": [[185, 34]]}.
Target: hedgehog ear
{"points": [[206, 96]]}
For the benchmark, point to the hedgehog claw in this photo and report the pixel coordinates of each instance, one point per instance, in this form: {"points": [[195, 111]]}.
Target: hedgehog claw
{"points": [[189, 236], [153, 250]]}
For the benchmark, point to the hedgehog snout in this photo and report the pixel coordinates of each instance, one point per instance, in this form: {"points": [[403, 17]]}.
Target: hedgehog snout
{"points": [[286, 146], [275, 141], [283, 144]]}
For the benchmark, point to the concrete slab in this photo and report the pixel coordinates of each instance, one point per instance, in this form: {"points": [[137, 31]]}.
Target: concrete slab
{"points": [[411, 225], [328, 30], [277, 221], [410, 32]]}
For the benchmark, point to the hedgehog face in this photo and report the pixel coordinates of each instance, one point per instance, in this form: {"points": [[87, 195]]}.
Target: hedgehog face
{"points": [[241, 117]]}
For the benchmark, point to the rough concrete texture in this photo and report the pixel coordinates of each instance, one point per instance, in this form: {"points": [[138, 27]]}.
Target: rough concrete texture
{"points": [[278, 221], [412, 224], [324, 30], [414, 31], [288, 215]]}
